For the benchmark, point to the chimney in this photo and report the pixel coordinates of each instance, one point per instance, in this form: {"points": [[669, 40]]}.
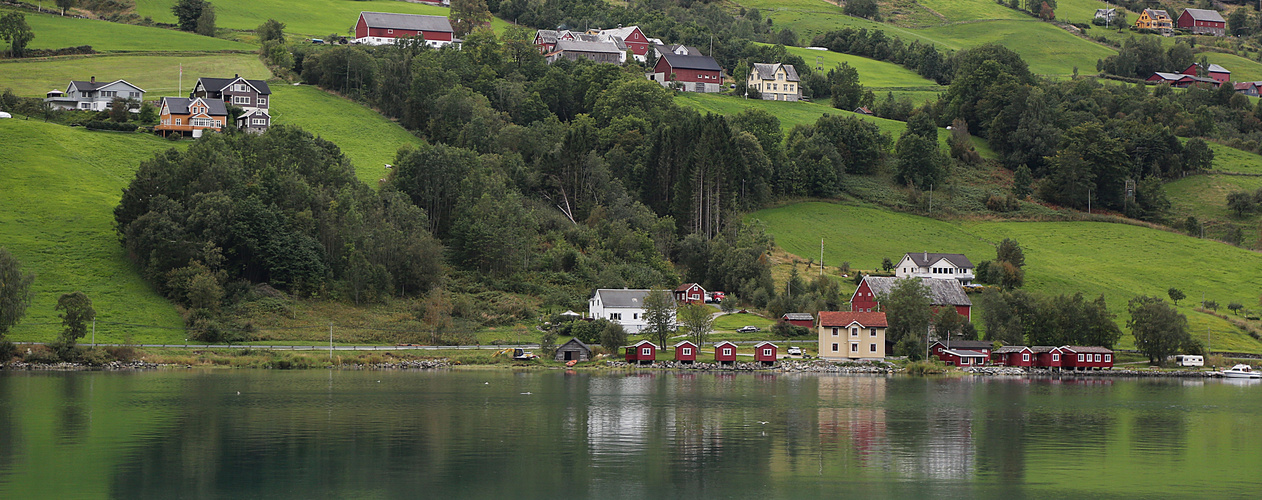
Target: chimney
{"points": [[94, 79], [236, 75], [926, 256]]}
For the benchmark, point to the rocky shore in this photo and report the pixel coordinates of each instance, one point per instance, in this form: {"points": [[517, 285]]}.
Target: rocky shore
{"points": [[420, 364], [789, 365], [65, 367]]}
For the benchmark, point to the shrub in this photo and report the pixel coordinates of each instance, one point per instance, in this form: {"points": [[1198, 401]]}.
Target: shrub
{"points": [[104, 125], [7, 350], [41, 355], [93, 357], [786, 330], [925, 367]]}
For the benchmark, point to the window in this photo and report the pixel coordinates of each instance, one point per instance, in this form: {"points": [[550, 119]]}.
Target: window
{"points": [[177, 121], [854, 347], [1097, 358], [262, 101], [200, 122], [834, 347], [109, 93], [647, 351], [766, 352], [1055, 357], [686, 351], [854, 332], [1079, 358], [872, 332], [871, 347], [390, 31], [218, 123], [85, 105], [241, 99], [1108, 358], [834, 331], [133, 95], [1025, 356], [615, 316], [965, 361], [259, 121]]}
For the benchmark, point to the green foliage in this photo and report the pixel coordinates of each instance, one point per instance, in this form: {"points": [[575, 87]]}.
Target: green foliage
{"points": [[698, 319], [864, 8], [547, 344], [659, 316], [271, 30], [77, 313], [1159, 330], [1019, 317], [188, 13], [784, 330], [919, 162], [1176, 295], [206, 20], [845, 88], [468, 15], [1021, 181], [613, 337], [13, 29], [15, 292], [908, 312]]}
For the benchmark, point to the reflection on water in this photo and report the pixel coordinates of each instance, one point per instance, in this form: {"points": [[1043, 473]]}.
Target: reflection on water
{"points": [[263, 434]]}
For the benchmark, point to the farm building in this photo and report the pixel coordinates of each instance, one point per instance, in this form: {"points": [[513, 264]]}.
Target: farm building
{"points": [[935, 265], [765, 353], [1086, 358], [1156, 20], [194, 116], [692, 73], [690, 293], [805, 320], [1180, 80], [1203, 22], [851, 335], [1216, 73], [677, 49], [686, 352], [632, 37], [1047, 356], [381, 28], [981, 346], [94, 96], [1248, 88], [622, 306], [1106, 15], [775, 81], [1013, 355], [642, 352], [600, 52], [546, 40], [943, 292], [725, 352], [574, 350], [963, 357]]}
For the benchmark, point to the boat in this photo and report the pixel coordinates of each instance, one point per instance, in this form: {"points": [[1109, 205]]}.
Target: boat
{"points": [[1241, 371]]}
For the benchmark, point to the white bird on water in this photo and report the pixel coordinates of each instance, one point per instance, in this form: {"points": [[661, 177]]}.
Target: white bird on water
{"points": [[525, 393], [763, 423]]}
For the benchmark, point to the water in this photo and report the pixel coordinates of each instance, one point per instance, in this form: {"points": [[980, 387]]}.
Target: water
{"points": [[474, 434]]}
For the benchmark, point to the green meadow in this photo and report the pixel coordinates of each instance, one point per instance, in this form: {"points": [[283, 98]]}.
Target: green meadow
{"points": [[61, 185], [873, 73], [367, 138], [971, 10], [1229, 159], [1117, 260], [311, 18], [815, 17], [1205, 197], [159, 75], [53, 32]]}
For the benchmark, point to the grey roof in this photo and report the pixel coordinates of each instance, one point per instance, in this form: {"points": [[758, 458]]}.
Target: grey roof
{"points": [[179, 105], [547, 36], [923, 259], [767, 71], [576, 343], [942, 291], [1010, 348], [1085, 349], [578, 46], [1214, 68], [621, 32], [967, 344], [799, 316], [1205, 15], [966, 353], [702, 63], [624, 297], [218, 84], [89, 86], [1156, 12], [412, 22], [1043, 348]]}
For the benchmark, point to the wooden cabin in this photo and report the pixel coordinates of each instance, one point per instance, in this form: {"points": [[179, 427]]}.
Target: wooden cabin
{"points": [[981, 346], [963, 357], [574, 350], [642, 352], [804, 320], [725, 352], [1013, 355], [1086, 358], [1047, 356], [690, 293], [686, 352], [765, 353]]}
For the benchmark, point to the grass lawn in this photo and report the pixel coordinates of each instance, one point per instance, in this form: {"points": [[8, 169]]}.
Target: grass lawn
{"points": [[1242, 70], [730, 322], [53, 32], [971, 10], [61, 185], [367, 138], [1229, 159], [313, 18], [158, 75], [1047, 49], [815, 17], [1205, 197], [872, 73], [1117, 260]]}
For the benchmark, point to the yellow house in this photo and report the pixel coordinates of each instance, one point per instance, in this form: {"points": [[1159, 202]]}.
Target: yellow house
{"points": [[1156, 20], [775, 82], [851, 335]]}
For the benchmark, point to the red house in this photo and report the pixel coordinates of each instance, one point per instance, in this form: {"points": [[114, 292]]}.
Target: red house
{"points": [[725, 352], [962, 357], [381, 28], [690, 293], [1013, 355], [1047, 356], [981, 346], [691, 73], [943, 292], [1217, 73], [765, 353], [805, 320], [633, 38], [1203, 21], [686, 352], [1086, 358], [642, 352]]}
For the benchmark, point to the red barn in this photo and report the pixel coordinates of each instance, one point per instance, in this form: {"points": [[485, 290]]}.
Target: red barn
{"points": [[642, 352], [725, 352], [693, 73], [943, 292], [1086, 358], [1047, 356], [981, 346], [686, 352], [1217, 73], [962, 357], [1203, 21], [380, 28], [633, 38], [690, 293], [805, 320], [765, 353], [1013, 355]]}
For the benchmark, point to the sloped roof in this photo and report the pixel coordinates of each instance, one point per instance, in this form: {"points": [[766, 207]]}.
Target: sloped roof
{"points": [[701, 63], [577, 343], [218, 84], [965, 353], [1156, 13], [1205, 15], [923, 259], [721, 342], [1010, 348], [845, 318], [683, 342], [580, 46], [642, 342], [179, 105], [1077, 349], [942, 291], [624, 297], [1044, 348], [89, 86], [547, 36], [414, 22], [684, 287], [767, 71], [1214, 68], [763, 343], [1170, 76], [622, 32], [972, 345], [799, 317]]}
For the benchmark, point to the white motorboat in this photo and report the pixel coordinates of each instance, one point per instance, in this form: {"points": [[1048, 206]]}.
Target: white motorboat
{"points": [[1241, 371]]}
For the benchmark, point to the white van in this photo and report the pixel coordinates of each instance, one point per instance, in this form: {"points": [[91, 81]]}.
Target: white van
{"points": [[1189, 360]]}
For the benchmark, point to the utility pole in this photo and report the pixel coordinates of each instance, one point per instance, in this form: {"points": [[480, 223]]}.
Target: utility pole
{"points": [[330, 341], [821, 256], [93, 332], [931, 198], [1209, 333]]}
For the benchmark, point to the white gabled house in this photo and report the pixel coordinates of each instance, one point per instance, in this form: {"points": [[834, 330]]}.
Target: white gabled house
{"points": [[935, 265], [93, 95], [622, 306]]}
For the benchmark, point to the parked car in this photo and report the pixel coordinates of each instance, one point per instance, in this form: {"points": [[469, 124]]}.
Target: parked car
{"points": [[795, 351], [747, 329]]}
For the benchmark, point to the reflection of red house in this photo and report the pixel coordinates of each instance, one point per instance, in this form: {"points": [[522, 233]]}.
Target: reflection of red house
{"points": [[765, 353], [642, 352], [690, 293], [981, 346], [1013, 355], [686, 351], [805, 320], [1086, 358], [725, 352], [1047, 356], [962, 357]]}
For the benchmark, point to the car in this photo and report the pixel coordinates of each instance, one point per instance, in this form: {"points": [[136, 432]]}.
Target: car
{"points": [[795, 351], [747, 329]]}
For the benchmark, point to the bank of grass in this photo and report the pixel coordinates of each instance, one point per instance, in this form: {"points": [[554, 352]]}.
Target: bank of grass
{"points": [[158, 75], [1117, 260], [59, 189], [54, 32], [971, 10], [730, 322], [872, 73], [310, 18], [366, 137], [1205, 197]]}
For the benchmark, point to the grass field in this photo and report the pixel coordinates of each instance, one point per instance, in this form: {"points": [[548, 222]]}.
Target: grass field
{"points": [[52, 32], [1229, 159], [1205, 197], [158, 75], [971, 10], [1119, 261], [872, 73], [313, 18], [61, 185], [366, 137]]}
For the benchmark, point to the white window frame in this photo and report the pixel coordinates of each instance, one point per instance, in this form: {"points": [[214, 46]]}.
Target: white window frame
{"points": [[854, 332], [835, 331], [854, 347], [965, 361], [767, 352], [727, 351], [1025, 356], [259, 121], [241, 99], [646, 351], [872, 332], [686, 351], [1055, 357], [1080, 358], [871, 347], [835, 347], [262, 101], [1108, 358], [1098, 358]]}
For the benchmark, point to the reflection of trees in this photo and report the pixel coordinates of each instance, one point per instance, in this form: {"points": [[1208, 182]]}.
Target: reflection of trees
{"points": [[72, 417], [1001, 439], [10, 435], [1162, 431]]}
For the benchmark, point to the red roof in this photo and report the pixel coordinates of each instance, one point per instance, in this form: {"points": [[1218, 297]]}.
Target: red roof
{"points": [[845, 318], [1085, 349], [684, 287]]}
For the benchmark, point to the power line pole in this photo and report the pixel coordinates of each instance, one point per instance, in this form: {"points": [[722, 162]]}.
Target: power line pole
{"points": [[330, 341]]}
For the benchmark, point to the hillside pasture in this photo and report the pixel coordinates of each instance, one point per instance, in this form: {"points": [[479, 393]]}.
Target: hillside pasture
{"points": [[872, 73], [54, 32], [311, 18], [61, 185], [1229, 159], [815, 17], [971, 10], [1205, 197], [159, 75], [1117, 260], [1047, 49]]}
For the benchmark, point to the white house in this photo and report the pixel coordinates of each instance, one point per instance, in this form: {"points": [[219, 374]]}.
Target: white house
{"points": [[935, 265], [622, 306], [94, 96]]}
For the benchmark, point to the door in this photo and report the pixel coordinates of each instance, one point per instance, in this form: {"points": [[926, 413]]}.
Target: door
{"points": [[569, 355]]}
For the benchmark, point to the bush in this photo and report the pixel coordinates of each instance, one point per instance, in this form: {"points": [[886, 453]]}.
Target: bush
{"points": [[7, 350], [103, 125], [93, 357], [925, 367], [41, 355], [125, 354], [786, 330]]}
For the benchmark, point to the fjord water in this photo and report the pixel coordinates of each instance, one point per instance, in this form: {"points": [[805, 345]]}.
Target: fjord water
{"points": [[548, 434]]}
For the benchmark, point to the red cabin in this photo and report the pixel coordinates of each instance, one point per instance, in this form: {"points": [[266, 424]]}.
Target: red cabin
{"points": [[686, 352], [725, 352], [378, 28], [1013, 355], [690, 293], [805, 320], [963, 357], [1047, 356], [643, 352], [765, 353], [1086, 358], [981, 346]]}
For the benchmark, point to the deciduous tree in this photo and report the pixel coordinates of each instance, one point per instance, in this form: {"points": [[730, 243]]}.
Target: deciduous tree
{"points": [[659, 316], [187, 12], [908, 310], [467, 15], [1176, 295], [13, 29], [77, 312], [699, 320], [15, 291], [1158, 328]]}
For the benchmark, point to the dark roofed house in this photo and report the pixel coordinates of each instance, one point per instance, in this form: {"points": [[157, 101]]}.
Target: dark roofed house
{"points": [[805, 320], [1203, 22], [935, 265], [1086, 357], [194, 116], [690, 73], [253, 96], [981, 346], [574, 350], [1013, 355], [596, 51], [775, 81], [690, 293], [1248, 88], [93, 95], [942, 293], [622, 306], [381, 28]]}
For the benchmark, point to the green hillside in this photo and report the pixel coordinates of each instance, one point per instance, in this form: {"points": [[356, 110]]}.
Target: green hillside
{"points": [[1048, 49], [313, 18], [61, 185], [874, 73], [52, 32], [970, 10], [158, 75], [1118, 260]]}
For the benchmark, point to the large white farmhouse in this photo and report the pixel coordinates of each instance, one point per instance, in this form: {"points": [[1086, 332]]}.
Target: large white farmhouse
{"points": [[622, 306], [935, 265]]}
